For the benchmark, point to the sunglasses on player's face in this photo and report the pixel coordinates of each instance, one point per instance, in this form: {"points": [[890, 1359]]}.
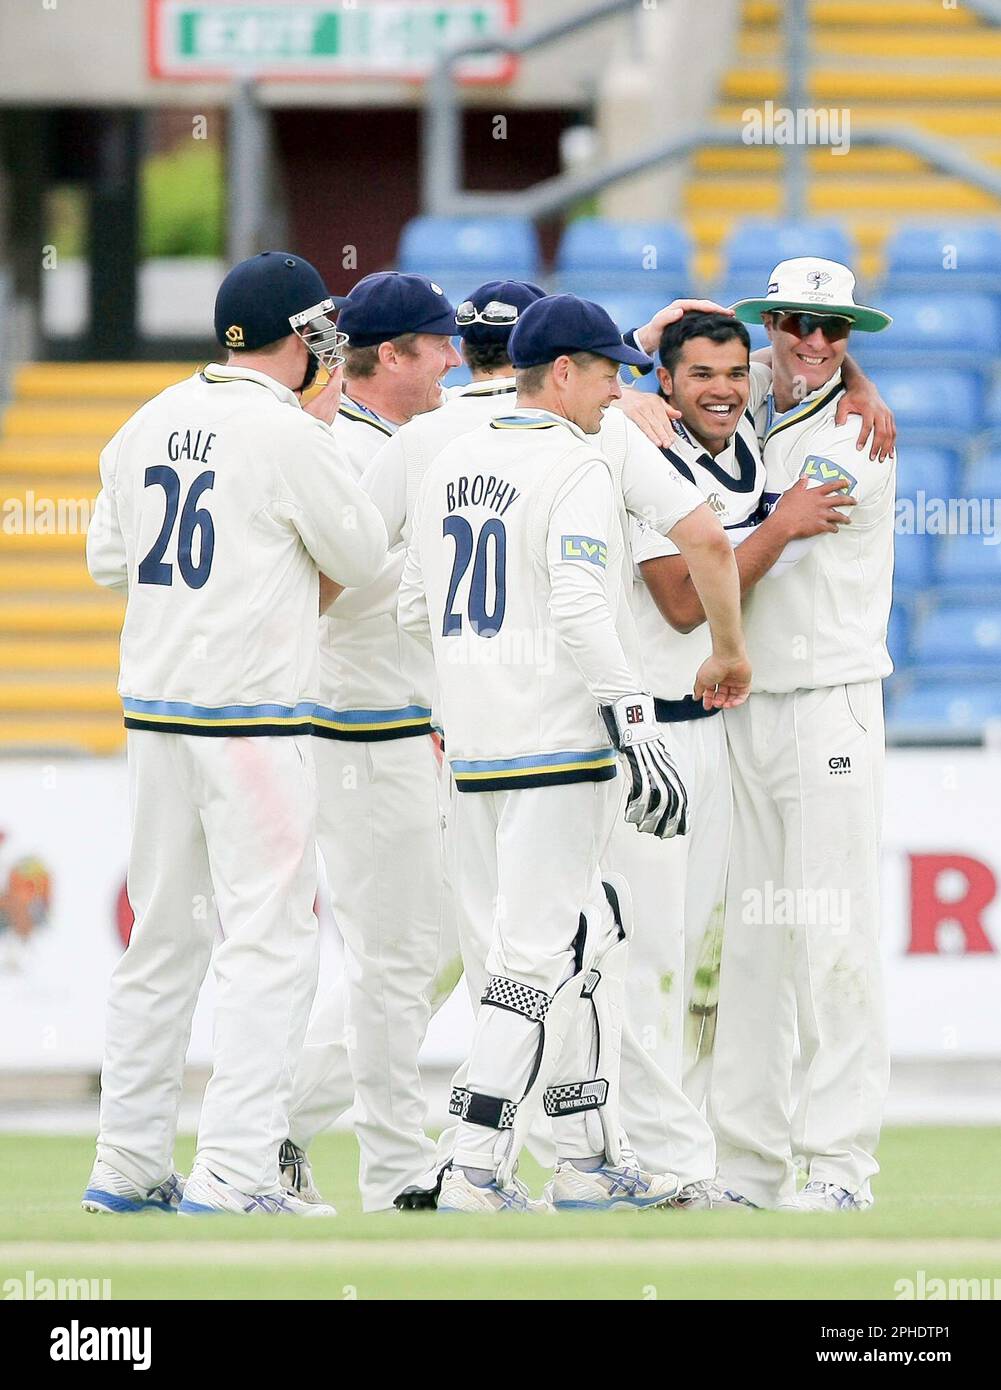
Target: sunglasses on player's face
{"points": [[802, 325], [495, 314]]}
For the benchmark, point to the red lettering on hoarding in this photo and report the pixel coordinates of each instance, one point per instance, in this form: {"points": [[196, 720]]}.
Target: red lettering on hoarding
{"points": [[929, 910]]}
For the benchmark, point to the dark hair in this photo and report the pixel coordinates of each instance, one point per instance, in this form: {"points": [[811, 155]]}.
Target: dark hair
{"points": [[486, 357], [718, 328]]}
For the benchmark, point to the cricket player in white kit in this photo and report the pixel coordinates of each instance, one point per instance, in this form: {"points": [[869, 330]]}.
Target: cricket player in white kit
{"points": [[220, 502], [379, 824], [801, 958], [532, 759], [678, 887]]}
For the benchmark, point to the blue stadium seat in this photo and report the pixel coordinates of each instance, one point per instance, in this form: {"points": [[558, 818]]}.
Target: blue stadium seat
{"points": [[756, 245], [934, 330], [931, 471], [959, 706], [983, 477], [959, 634], [465, 251], [912, 561], [959, 255], [970, 561], [633, 256], [629, 310], [943, 404], [993, 411], [898, 633]]}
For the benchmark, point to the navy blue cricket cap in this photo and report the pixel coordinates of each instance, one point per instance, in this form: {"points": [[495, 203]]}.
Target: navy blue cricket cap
{"points": [[519, 294], [562, 324], [388, 303], [255, 301]]}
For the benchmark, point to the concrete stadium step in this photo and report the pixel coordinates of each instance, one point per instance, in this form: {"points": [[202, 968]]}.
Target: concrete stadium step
{"points": [[57, 420], [57, 696], [929, 196], [100, 614], [65, 655], [93, 381], [38, 542], [26, 576], [970, 46], [837, 86], [41, 458], [769, 160], [73, 733], [896, 14]]}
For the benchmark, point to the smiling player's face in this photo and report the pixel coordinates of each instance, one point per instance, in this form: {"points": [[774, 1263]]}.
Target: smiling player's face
{"points": [[710, 385], [810, 359], [591, 385]]}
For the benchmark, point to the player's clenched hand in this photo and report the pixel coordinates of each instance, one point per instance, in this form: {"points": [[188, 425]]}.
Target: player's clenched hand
{"points": [[877, 418], [723, 682], [648, 336], [327, 401], [652, 413], [809, 511], [656, 800]]}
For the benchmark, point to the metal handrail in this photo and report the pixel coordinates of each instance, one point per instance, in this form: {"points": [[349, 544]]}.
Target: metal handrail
{"points": [[441, 147], [441, 151]]}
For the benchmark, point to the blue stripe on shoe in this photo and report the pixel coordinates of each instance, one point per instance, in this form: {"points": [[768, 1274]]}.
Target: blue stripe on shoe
{"points": [[189, 1208], [111, 1200]]}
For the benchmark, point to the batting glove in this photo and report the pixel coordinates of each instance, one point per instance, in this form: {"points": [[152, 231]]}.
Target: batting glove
{"points": [[657, 803]]}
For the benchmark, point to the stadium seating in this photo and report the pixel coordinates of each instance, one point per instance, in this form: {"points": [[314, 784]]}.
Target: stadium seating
{"points": [[936, 706], [931, 471], [646, 258], [983, 478], [960, 255], [459, 253], [933, 329], [970, 561], [959, 634], [756, 245], [933, 409], [912, 561]]}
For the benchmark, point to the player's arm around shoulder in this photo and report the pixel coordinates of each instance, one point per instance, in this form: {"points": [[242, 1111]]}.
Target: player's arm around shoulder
{"points": [[337, 522], [106, 552]]}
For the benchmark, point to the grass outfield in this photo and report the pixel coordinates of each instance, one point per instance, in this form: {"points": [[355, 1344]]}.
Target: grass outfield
{"points": [[938, 1210]]}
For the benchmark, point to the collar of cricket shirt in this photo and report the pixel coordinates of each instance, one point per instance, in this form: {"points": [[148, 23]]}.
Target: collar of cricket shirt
{"points": [[810, 405], [218, 373], [492, 386], [536, 413], [686, 451], [354, 410]]}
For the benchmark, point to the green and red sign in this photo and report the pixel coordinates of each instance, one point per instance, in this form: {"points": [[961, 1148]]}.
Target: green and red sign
{"points": [[213, 40]]}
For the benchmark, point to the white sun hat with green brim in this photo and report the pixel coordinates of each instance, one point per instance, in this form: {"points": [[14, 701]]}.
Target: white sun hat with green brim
{"points": [[813, 286]]}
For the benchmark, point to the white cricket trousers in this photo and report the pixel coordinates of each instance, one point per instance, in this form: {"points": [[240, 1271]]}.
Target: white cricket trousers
{"points": [[380, 834], [677, 890], [801, 962], [234, 820], [534, 853]]}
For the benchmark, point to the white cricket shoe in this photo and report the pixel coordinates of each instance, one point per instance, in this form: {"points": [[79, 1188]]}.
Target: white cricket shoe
{"points": [[825, 1196], [111, 1192], [296, 1175], [707, 1195], [608, 1188], [459, 1194], [205, 1194]]}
